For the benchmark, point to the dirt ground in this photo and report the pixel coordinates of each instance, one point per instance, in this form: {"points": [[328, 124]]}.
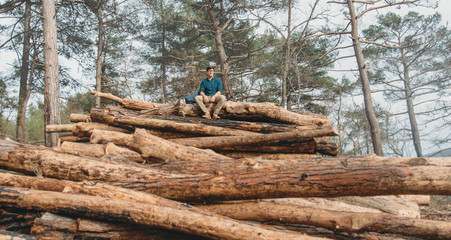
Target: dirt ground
{"points": [[438, 209]]}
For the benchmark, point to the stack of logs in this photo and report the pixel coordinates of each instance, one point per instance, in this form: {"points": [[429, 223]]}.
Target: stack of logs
{"points": [[157, 171]]}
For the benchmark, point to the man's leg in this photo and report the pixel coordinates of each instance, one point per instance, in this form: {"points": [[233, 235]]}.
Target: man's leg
{"points": [[220, 100], [200, 101]]}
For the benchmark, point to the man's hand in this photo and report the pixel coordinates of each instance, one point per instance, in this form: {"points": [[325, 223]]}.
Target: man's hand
{"points": [[206, 100], [213, 99]]}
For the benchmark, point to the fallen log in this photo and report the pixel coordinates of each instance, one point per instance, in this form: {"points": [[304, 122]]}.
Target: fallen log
{"points": [[62, 227], [99, 115], [388, 204], [325, 182], [267, 156], [377, 204], [85, 149], [211, 226], [259, 112], [301, 146], [74, 117], [99, 150], [261, 127], [152, 146], [46, 162], [255, 111], [127, 102], [228, 141], [336, 220]]}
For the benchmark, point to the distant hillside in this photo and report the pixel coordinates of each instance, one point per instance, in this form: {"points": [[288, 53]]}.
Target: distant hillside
{"points": [[442, 153]]}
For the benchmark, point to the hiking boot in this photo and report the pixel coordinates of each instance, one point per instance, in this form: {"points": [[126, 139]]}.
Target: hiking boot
{"points": [[216, 116], [206, 115]]}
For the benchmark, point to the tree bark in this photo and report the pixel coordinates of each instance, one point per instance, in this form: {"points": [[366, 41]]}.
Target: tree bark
{"points": [[207, 225], [260, 112], [49, 163], [261, 127], [21, 127], [325, 182], [105, 117], [51, 76], [152, 146], [128, 103], [363, 70], [219, 142], [410, 106], [263, 211], [62, 227]]}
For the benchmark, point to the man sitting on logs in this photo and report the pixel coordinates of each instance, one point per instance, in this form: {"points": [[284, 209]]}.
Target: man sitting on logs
{"points": [[210, 91]]}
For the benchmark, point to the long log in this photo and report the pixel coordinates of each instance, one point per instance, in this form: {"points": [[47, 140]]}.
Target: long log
{"points": [[152, 146], [261, 127], [366, 181], [255, 111], [267, 156], [50, 163], [150, 215], [100, 115], [62, 227], [127, 102], [227, 141], [336, 220], [260, 112]]}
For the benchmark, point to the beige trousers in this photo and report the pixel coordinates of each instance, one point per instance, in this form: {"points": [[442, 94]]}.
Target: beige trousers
{"points": [[220, 100]]}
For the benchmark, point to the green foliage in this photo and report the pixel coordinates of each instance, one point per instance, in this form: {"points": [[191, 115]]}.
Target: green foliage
{"points": [[35, 123], [79, 103]]}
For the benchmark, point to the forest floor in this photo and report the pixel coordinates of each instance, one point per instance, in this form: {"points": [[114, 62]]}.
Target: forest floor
{"points": [[438, 209]]}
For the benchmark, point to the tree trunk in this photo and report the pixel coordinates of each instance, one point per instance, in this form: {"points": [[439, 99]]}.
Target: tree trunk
{"points": [[263, 211], [100, 45], [219, 29], [51, 76], [286, 64], [21, 127], [410, 107], [369, 108], [207, 225]]}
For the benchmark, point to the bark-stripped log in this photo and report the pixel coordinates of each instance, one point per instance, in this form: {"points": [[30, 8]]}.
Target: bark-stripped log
{"points": [[85, 149], [155, 147], [336, 220], [207, 225], [84, 129], [74, 117], [99, 115]]}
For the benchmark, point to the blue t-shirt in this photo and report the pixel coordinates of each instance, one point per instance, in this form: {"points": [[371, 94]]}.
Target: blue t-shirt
{"points": [[211, 87]]}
